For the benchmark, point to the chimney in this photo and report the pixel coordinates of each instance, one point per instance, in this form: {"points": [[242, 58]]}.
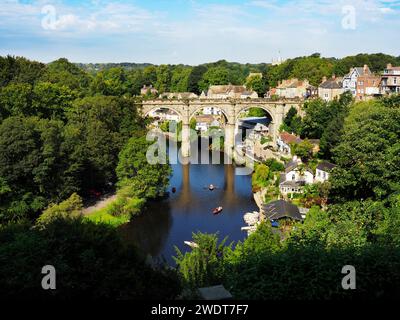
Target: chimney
{"points": [[389, 66], [365, 68], [324, 79], [333, 76]]}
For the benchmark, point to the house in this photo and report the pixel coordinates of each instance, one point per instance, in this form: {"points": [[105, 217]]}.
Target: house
{"points": [[292, 88], [284, 141], [281, 209], [212, 111], [148, 90], [254, 127], [295, 177], [323, 171], [164, 114], [350, 80], [230, 91], [311, 91], [178, 95], [390, 82], [331, 88], [368, 86], [204, 122]]}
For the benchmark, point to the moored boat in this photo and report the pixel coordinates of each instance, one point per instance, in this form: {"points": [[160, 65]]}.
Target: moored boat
{"points": [[217, 210]]}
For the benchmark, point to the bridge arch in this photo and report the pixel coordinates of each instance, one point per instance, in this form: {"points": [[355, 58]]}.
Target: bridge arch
{"points": [[267, 109], [202, 107], [146, 111]]}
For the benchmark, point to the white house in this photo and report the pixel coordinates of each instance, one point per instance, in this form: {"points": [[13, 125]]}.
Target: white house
{"points": [[212, 111], [296, 176], [323, 171], [164, 114], [204, 122], [284, 141], [350, 80]]}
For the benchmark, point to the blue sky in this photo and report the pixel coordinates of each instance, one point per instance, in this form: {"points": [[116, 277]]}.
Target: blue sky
{"points": [[196, 31]]}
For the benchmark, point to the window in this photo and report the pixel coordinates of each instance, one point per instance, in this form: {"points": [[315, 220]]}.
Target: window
{"points": [[361, 83], [395, 80], [293, 177]]}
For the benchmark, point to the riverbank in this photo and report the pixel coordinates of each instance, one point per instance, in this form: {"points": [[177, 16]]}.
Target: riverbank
{"points": [[114, 210]]}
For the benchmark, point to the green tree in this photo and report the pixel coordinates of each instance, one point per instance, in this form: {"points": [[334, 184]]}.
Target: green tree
{"points": [[303, 149], [367, 155], [30, 164], [16, 99], [257, 84], [214, 76], [163, 82], [203, 266], [145, 180], [195, 77], [180, 79], [67, 74], [292, 122], [91, 261], [70, 208], [52, 100]]}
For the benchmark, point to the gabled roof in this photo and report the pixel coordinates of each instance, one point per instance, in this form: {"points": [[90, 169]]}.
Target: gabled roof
{"points": [[225, 89], [289, 138], [281, 209], [325, 166], [291, 183], [331, 84], [360, 70]]}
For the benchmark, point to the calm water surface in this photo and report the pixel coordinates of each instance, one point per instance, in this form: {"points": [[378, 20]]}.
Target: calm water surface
{"points": [[169, 222]]}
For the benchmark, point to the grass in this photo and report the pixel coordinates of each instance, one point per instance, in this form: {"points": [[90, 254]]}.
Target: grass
{"points": [[102, 216], [117, 212]]}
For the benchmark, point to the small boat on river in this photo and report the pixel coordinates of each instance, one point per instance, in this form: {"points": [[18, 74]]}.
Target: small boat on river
{"points": [[173, 189], [217, 210], [191, 244]]}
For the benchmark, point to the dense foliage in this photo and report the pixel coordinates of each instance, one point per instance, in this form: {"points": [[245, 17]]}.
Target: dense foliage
{"points": [[90, 260], [63, 133]]}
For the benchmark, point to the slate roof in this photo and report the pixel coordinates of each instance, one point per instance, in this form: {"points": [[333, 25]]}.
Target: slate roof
{"points": [[325, 166], [331, 84], [279, 209], [290, 183]]}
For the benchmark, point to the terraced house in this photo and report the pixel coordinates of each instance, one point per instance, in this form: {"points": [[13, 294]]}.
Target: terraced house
{"points": [[350, 80], [391, 80]]}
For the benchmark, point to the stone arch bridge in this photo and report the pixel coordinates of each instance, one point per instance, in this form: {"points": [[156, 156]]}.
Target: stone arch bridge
{"points": [[186, 109]]}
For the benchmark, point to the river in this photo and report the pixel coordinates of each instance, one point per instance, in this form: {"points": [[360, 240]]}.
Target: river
{"points": [[171, 221]]}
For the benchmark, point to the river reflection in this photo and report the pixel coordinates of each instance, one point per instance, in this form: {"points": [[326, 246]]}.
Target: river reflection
{"points": [[171, 221]]}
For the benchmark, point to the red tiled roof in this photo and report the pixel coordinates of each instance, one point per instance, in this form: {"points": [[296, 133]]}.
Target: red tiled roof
{"points": [[289, 138]]}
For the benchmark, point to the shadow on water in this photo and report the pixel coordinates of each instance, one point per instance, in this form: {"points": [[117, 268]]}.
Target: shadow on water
{"points": [[171, 221]]}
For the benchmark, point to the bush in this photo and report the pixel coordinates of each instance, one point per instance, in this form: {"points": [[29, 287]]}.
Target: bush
{"points": [[91, 262]]}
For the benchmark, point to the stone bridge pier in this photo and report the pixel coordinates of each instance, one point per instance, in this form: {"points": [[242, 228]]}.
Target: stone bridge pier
{"points": [[231, 109]]}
